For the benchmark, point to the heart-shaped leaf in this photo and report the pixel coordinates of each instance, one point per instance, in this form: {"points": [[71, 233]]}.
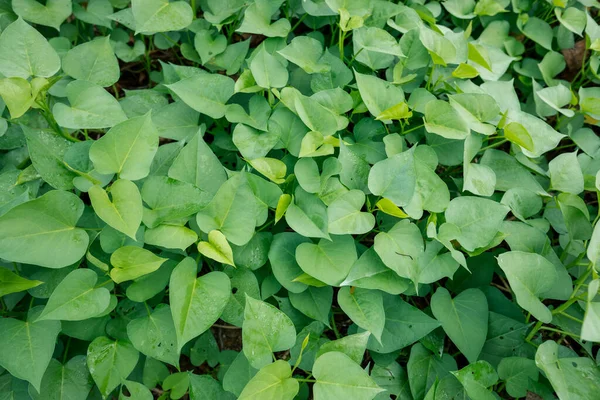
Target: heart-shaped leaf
{"points": [[345, 217], [93, 61], [196, 303], [13, 283], [364, 307], [50, 13], [154, 335], [63, 381], [272, 382], [463, 318], [124, 212], [27, 346], [110, 362], [330, 260], [153, 16], [265, 330], [77, 297]]}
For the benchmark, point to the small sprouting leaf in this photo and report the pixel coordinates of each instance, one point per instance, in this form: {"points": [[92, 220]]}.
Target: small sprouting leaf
{"points": [[217, 248]]}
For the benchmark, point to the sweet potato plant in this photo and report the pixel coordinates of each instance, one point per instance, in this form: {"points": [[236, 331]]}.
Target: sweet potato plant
{"points": [[301, 199]]}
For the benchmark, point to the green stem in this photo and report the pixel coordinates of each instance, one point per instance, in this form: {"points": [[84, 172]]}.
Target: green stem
{"points": [[66, 352], [306, 380], [545, 328], [334, 328], [297, 24], [413, 129], [342, 38], [193, 4], [491, 146]]}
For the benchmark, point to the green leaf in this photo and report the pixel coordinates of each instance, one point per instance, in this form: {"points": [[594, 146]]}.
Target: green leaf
{"points": [[13, 283], [126, 149], [217, 248], [257, 19], [307, 215], [124, 211], [306, 53], [204, 387], [353, 346], [314, 302], [345, 217], [90, 107], [77, 297], [375, 47], [370, 272], [42, 231], [51, 13], [404, 325], [170, 236], [273, 381], [28, 347], [205, 93], [365, 309], [565, 173], [516, 372], [197, 303], [530, 276], [19, 94], [463, 318], [93, 61], [543, 137], [330, 260], [24, 52], [71, 380], [153, 16], [425, 368], [377, 94], [476, 378], [130, 262], [232, 211], [272, 168], [47, 151], [571, 377], [268, 70], [536, 29], [444, 120], [338, 376], [282, 257], [477, 219], [135, 391], [110, 362], [265, 330], [154, 335]]}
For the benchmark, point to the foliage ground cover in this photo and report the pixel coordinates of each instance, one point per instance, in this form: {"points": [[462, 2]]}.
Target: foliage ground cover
{"points": [[302, 199]]}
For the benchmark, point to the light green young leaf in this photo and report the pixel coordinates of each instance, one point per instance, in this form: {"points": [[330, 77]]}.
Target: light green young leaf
{"points": [[91, 107], [364, 307], [476, 378], [477, 219], [170, 236], [265, 330], [217, 248], [353, 346], [126, 149], [572, 378], [208, 45], [20, 95], [69, 381], [13, 283], [330, 260], [93, 61], [589, 101], [196, 303], [77, 297], [110, 362], [463, 318], [272, 382], [345, 217], [51, 13], [154, 335], [529, 275], [272, 168], [42, 231], [205, 93], [123, 211], [338, 377], [132, 262], [556, 97], [27, 346], [153, 16], [24, 52]]}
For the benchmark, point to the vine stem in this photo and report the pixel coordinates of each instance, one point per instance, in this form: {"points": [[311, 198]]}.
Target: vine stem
{"points": [[491, 146]]}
